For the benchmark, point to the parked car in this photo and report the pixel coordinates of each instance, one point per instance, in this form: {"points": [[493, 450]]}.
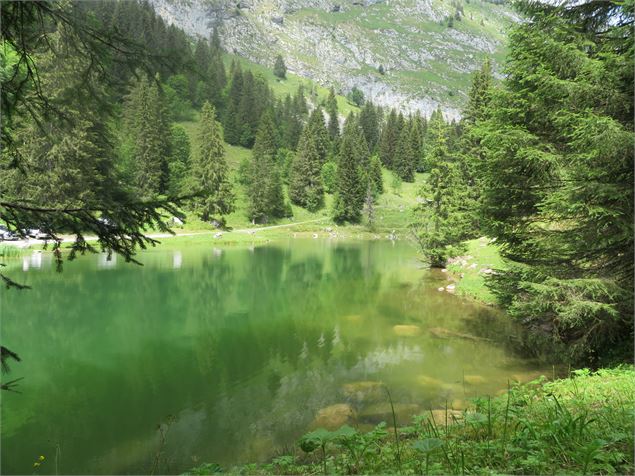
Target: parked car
{"points": [[6, 234], [38, 234]]}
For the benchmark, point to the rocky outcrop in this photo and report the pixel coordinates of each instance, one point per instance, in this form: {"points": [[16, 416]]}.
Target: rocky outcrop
{"points": [[427, 63]]}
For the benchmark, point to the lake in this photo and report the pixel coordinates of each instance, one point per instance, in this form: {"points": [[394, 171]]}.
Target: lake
{"points": [[229, 354]]}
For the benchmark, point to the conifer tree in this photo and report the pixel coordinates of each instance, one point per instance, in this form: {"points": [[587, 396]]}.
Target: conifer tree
{"points": [[440, 224], [558, 179], [376, 174], [405, 158], [279, 68], [417, 135], [389, 139], [331, 109], [149, 134], [299, 102], [248, 111], [209, 172], [305, 184], [480, 94], [318, 130], [291, 124], [329, 176], [231, 122], [351, 187], [179, 161], [266, 199], [369, 123]]}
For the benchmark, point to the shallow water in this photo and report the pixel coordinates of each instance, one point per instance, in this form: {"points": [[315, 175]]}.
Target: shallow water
{"points": [[232, 353]]}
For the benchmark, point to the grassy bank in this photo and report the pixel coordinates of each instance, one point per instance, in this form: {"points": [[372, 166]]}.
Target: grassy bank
{"points": [[470, 270], [579, 425]]}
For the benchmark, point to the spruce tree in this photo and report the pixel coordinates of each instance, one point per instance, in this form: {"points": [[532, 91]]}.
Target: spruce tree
{"points": [[369, 123], [440, 224], [279, 68], [266, 199], [376, 174], [209, 172], [147, 128], [558, 177], [331, 109], [231, 123], [479, 94], [350, 188], [389, 139], [179, 161], [305, 182], [405, 158]]}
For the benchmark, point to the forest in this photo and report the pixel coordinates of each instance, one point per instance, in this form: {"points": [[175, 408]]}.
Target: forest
{"points": [[117, 124]]}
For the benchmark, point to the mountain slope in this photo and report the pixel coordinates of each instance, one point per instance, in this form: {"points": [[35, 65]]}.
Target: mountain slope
{"points": [[427, 48]]}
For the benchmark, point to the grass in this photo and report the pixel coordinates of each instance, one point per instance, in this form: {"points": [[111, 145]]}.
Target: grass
{"points": [[578, 425], [470, 269]]}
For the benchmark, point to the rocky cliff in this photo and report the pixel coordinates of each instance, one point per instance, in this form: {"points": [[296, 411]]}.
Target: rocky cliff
{"points": [[413, 54]]}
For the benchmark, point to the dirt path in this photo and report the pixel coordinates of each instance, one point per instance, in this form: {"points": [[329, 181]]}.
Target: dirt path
{"points": [[26, 243]]}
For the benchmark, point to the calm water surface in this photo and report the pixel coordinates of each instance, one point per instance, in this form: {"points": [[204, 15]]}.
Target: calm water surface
{"points": [[233, 352]]}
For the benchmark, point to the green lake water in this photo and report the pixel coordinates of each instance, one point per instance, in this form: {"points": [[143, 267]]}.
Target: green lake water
{"points": [[233, 353]]}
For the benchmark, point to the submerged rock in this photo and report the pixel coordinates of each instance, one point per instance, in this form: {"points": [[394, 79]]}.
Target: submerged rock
{"points": [[443, 333], [474, 379], [379, 412], [458, 404], [451, 416], [430, 381], [364, 391], [406, 330], [334, 416]]}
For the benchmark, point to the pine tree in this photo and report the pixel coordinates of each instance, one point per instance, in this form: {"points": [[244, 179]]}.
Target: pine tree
{"points": [[305, 185], [179, 161], [319, 132], [209, 172], [247, 111], [279, 68], [405, 157], [369, 123], [417, 135], [356, 96], [440, 226], [376, 174], [231, 122], [480, 94], [350, 188], [266, 199], [389, 140], [149, 133], [331, 109], [369, 206], [299, 102], [558, 177], [293, 125], [305, 181]]}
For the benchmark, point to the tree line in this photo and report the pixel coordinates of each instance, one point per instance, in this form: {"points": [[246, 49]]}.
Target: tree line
{"points": [[544, 165]]}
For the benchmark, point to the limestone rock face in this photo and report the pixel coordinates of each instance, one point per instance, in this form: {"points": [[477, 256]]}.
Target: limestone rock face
{"points": [[343, 43]]}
